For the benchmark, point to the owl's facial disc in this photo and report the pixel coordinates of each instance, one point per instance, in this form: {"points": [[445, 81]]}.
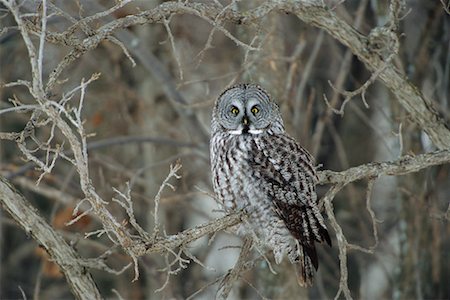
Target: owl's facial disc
{"points": [[245, 109]]}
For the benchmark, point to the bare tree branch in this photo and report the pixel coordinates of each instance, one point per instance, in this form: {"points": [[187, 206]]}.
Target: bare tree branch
{"points": [[78, 278], [406, 164], [227, 283], [64, 115], [192, 234], [342, 241], [402, 166], [420, 108], [99, 144]]}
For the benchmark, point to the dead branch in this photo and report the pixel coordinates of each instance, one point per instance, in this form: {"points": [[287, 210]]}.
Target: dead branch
{"points": [[339, 83], [404, 165], [342, 241], [192, 234], [446, 6], [66, 116], [421, 109], [79, 279], [227, 283], [99, 144]]}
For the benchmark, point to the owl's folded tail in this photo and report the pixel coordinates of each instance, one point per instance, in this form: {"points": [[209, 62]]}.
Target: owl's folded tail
{"points": [[306, 265]]}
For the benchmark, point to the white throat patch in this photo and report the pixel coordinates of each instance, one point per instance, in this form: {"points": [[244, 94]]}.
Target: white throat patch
{"points": [[236, 132], [255, 131], [251, 131]]}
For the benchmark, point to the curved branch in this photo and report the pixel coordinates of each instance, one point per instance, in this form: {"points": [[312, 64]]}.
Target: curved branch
{"points": [[79, 279], [420, 108], [404, 165]]}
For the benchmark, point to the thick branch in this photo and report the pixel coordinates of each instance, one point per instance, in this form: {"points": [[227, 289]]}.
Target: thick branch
{"points": [[79, 279], [404, 165]]}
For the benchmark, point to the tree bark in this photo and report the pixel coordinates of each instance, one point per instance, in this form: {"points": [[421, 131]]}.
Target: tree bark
{"points": [[80, 280]]}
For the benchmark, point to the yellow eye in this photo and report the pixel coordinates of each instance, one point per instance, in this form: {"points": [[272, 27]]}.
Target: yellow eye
{"points": [[254, 110], [234, 110]]}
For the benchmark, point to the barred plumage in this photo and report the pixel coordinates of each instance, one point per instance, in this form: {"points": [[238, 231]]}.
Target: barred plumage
{"points": [[256, 166]]}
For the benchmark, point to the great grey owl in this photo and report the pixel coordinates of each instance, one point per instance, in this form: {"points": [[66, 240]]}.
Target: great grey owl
{"points": [[258, 168]]}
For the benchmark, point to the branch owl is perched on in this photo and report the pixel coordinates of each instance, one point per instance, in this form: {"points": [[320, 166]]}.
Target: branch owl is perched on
{"points": [[257, 167]]}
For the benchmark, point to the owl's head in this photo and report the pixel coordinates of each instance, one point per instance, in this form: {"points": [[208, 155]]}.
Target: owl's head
{"points": [[246, 109]]}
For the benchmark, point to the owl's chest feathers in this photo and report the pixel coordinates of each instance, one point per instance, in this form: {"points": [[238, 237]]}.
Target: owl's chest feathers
{"points": [[240, 150], [234, 176]]}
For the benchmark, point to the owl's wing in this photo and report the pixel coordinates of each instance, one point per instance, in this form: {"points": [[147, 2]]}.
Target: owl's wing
{"points": [[290, 176]]}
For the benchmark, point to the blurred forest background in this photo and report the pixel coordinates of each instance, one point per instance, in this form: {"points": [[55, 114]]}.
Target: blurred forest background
{"points": [[142, 119]]}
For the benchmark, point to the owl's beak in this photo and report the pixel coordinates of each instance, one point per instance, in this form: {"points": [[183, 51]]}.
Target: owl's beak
{"points": [[245, 121]]}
